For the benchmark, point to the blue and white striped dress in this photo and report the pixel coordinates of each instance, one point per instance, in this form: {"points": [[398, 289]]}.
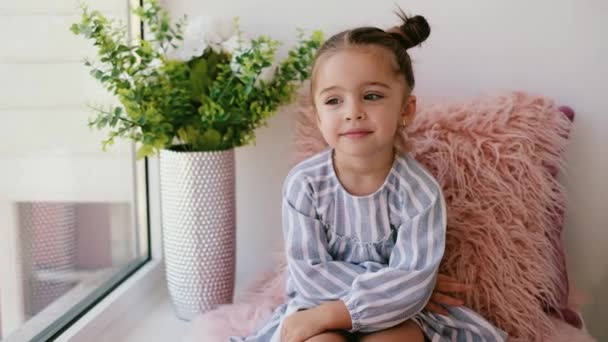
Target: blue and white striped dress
{"points": [[378, 253]]}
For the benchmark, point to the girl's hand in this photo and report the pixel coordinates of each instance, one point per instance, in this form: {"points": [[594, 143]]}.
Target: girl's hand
{"points": [[301, 325], [439, 298]]}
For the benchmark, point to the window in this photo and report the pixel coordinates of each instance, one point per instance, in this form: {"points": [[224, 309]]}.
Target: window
{"points": [[73, 219]]}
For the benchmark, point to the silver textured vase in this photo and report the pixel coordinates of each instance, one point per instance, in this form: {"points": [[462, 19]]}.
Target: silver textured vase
{"points": [[199, 233]]}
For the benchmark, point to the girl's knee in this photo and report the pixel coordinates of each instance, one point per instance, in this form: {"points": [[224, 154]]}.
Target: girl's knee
{"points": [[406, 331], [328, 337]]}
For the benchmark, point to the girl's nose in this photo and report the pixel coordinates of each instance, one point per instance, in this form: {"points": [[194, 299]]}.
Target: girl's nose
{"points": [[355, 112], [359, 116]]}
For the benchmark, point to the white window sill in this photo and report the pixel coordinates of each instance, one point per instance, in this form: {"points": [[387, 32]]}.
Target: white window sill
{"points": [[138, 310], [159, 324]]}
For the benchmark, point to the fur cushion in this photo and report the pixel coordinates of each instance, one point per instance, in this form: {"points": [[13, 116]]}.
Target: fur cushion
{"points": [[493, 156]]}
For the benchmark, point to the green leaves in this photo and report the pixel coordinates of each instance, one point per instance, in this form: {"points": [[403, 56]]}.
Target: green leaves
{"points": [[212, 139], [212, 102], [203, 72]]}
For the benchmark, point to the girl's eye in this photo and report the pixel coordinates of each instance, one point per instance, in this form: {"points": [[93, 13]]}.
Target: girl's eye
{"points": [[373, 97], [332, 101]]}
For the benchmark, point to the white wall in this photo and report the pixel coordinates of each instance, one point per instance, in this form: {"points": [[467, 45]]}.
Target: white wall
{"points": [[555, 48]]}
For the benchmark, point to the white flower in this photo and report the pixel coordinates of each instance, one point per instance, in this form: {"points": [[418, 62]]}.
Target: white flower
{"points": [[155, 63], [217, 33], [266, 75], [125, 77], [235, 47], [234, 66], [193, 44]]}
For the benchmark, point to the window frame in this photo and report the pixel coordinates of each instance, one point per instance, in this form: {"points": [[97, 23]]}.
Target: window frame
{"points": [[128, 303], [126, 290]]}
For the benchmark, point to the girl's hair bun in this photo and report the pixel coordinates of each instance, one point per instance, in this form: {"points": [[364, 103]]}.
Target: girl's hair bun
{"points": [[412, 32]]}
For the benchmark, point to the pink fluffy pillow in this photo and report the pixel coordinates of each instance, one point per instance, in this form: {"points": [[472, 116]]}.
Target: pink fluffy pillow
{"points": [[494, 157]]}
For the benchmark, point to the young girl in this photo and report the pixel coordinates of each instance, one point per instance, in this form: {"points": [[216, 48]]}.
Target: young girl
{"points": [[364, 222]]}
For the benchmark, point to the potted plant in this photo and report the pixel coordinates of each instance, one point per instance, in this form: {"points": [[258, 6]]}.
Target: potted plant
{"points": [[192, 92]]}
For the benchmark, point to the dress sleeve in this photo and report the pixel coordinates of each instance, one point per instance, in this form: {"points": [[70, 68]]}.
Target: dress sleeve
{"points": [[312, 272]]}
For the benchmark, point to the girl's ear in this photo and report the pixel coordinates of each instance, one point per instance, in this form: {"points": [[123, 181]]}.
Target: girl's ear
{"points": [[409, 110]]}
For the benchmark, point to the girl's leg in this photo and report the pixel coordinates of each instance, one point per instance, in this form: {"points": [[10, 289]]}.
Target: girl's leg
{"points": [[330, 336], [407, 331]]}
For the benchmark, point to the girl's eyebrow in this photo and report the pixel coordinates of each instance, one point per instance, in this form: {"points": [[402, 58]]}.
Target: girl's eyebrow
{"points": [[329, 89], [383, 85], [372, 83]]}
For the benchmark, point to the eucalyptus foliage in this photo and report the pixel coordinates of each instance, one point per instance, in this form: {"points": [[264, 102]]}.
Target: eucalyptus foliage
{"points": [[214, 101]]}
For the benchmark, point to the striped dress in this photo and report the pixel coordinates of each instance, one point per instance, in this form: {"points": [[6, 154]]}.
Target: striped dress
{"points": [[377, 253]]}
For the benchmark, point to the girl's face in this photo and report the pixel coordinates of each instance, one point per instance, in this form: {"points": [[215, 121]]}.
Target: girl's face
{"points": [[360, 100]]}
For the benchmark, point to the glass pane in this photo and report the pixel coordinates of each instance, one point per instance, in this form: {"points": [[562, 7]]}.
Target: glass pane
{"points": [[72, 217]]}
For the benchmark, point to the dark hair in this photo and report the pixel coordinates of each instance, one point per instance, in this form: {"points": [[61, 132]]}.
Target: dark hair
{"points": [[413, 31]]}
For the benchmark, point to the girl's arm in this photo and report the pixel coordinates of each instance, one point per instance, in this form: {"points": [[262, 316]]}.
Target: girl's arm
{"points": [[312, 272], [396, 293]]}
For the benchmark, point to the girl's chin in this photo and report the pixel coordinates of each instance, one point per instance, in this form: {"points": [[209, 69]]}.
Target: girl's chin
{"points": [[359, 152]]}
